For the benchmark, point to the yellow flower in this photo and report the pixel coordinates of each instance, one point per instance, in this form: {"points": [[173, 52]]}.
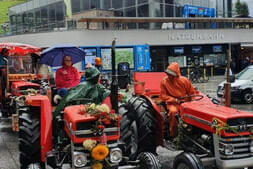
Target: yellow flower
{"points": [[99, 152], [97, 166], [89, 144], [103, 108]]}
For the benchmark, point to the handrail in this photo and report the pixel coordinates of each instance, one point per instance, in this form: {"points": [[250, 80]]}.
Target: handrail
{"points": [[165, 19]]}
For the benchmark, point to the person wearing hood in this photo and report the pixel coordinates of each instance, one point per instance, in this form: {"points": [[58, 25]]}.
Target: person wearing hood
{"points": [[90, 89], [66, 77], [173, 87]]}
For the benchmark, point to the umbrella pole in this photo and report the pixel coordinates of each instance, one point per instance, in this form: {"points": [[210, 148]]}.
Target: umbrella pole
{"points": [[114, 84]]}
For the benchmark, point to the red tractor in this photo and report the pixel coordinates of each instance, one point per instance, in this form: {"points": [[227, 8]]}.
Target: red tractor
{"points": [[82, 136], [17, 78], [208, 134]]}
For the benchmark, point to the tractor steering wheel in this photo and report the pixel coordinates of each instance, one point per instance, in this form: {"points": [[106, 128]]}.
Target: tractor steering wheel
{"points": [[190, 98]]}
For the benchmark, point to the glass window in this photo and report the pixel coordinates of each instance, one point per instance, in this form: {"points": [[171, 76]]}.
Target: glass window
{"points": [[169, 10], [158, 10], [130, 12], [179, 11], [75, 6], [24, 18], [169, 1], [94, 4], [59, 12], [31, 18], [142, 1], [129, 3], [13, 19], [37, 17], [106, 4], [160, 1], [44, 15], [86, 4], [143, 11], [117, 4], [52, 13]]}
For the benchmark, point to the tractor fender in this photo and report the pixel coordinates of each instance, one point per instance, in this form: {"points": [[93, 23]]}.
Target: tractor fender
{"points": [[159, 117], [46, 119]]}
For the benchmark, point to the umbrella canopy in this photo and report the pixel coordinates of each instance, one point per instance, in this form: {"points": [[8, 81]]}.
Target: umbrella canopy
{"points": [[53, 56], [19, 49]]}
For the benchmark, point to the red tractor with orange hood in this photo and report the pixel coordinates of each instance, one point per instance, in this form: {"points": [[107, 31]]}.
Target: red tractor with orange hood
{"points": [[209, 134], [84, 135]]}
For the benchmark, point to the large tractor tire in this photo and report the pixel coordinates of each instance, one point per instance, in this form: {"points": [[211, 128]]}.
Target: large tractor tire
{"points": [[187, 161], [140, 111], [148, 161], [29, 137]]}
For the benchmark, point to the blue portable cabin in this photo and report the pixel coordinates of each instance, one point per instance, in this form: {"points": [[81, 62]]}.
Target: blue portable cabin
{"points": [[139, 56]]}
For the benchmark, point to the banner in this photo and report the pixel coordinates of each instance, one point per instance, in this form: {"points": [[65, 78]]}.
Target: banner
{"points": [[68, 9]]}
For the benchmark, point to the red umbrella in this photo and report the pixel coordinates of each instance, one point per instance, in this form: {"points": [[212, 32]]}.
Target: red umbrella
{"points": [[19, 49]]}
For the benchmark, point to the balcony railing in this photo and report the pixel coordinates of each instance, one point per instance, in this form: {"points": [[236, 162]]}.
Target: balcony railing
{"points": [[126, 23]]}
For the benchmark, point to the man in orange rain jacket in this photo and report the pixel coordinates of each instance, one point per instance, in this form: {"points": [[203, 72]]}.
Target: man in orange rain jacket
{"points": [[173, 87]]}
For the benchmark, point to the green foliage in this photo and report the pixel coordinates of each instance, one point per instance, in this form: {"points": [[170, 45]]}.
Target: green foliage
{"points": [[4, 5], [241, 9]]}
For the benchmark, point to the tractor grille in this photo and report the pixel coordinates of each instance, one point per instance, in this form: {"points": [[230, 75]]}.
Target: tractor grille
{"points": [[29, 87], [240, 145], [241, 124], [86, 129]]}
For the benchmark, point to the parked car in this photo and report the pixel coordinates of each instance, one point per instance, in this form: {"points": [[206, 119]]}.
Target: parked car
{"points": [[241, 88]]}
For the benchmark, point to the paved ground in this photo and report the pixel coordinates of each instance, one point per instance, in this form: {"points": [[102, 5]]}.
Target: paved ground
{"points": [[9, 140]]}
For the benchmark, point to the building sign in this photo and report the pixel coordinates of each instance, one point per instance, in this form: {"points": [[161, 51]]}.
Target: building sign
{"points": [[196, 36], [198, 11]]}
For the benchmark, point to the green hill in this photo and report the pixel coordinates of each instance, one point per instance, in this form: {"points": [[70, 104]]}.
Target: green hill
{"points": [[4, 5]]}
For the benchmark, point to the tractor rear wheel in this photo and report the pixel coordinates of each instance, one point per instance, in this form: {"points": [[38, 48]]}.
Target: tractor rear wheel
{"points": [[29, 137], [148, 161], [139, 119], [187, 161]]}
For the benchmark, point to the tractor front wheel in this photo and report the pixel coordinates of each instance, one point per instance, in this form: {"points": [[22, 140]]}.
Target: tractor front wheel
{"points": [[29, 137], [148, 161], [187, 161]]}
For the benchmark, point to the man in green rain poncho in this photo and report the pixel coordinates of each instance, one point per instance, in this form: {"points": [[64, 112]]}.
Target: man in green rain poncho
{"points": [[89, 89]]}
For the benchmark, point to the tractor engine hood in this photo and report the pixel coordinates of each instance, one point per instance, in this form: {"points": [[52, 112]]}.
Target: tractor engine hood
{"points": [[81, 126], [203, 115], [18, 88]]}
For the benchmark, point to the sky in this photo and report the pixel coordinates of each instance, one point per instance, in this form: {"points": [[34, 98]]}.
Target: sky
{"points": [[250, 5]]}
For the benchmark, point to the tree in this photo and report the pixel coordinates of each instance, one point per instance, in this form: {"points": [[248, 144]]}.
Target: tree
{"points": [[241, 9]]}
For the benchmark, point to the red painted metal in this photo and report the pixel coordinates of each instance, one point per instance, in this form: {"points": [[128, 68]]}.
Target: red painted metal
{"points": [[46, 121], [151, 82], [15, 87], [74, 115]]}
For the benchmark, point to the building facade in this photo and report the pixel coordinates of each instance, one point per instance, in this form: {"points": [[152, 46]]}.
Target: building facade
{"points": [[49, 15], [46, 15]]}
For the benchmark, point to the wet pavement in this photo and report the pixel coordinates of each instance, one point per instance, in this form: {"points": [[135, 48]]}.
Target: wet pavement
{"points": [[9, 140]]}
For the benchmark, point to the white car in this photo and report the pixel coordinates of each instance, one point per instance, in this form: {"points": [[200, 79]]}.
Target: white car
{"points": [[242, 87]]}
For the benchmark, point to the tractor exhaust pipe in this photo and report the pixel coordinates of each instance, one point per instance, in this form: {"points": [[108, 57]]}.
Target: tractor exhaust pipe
{"points": [[114, 84]]}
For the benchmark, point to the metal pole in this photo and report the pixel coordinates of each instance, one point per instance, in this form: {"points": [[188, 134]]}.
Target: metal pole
{"points": [[227, 85], [114, 84]]}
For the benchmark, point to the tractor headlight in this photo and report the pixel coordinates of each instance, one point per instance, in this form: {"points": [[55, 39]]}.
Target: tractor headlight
{"points": [[227, 149], [80, 159], [251, 146], [116, 155]]}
